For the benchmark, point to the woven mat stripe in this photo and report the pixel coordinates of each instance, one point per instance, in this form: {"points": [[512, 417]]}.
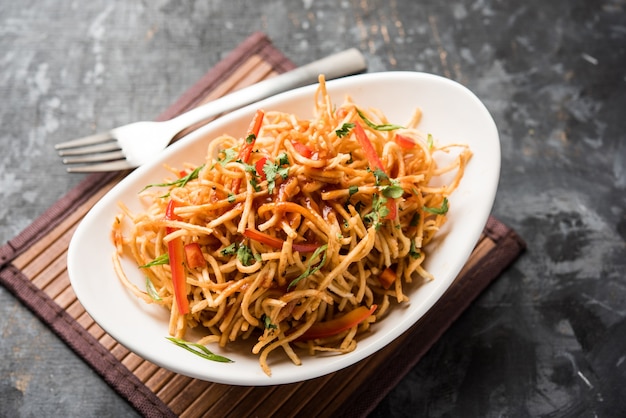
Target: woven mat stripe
{"points": [[83, 344], [54, 215], [28, 245]]}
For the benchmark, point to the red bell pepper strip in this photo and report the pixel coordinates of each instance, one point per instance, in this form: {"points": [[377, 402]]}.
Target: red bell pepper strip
{"points": [[259, 167], [374, 160], [193, 254], [337, 325], [248, 145], [387, 277], [277, 243], [368, 147], [393, 209], [405, 141], [176, 255], [302, 149]]}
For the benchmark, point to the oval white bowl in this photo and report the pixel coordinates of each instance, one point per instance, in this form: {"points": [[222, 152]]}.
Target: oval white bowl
{"points": [[451, 113]]}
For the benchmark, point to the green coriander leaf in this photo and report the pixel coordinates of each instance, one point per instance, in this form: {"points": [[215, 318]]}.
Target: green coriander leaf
{"points": [[267, 322], [199, 350], [231, 198], [415, 219], [244, 255], [413, 251], [272, 170], [344, 130], [283, 159], [378, 213], [160, 260], [250, 168], [383, 211], [283, 172], [255, 184], [442, 210], [394, 190], [229, 155], [380, 176], [308, 270], [250, 138], [254, 180], [230, 250], [352, 190], [383, 127]]}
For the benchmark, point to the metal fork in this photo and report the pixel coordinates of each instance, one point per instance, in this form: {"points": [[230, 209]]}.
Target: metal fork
{"points": [[132, 145]]}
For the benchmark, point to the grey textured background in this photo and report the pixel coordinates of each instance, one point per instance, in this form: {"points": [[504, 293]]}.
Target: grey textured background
{"points": [[548, 338]]}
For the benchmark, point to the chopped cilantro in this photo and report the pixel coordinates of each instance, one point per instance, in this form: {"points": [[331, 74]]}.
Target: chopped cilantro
{"points": [[378, 213], [283, 159], [380, 176], [394, 190], [250, 168], [352, 190], [243, 252], [230, 250], [308, 270], [413, 252], [344, 130], [267, 322], [442, 210], [229, 155], [255, 185], [244, 255], [272, 170]]}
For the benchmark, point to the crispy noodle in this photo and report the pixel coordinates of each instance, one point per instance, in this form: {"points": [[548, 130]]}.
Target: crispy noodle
{"points": [[351, 233]]}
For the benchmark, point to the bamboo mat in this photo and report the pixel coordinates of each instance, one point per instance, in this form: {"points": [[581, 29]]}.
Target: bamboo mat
{"points": [[33, 267]]}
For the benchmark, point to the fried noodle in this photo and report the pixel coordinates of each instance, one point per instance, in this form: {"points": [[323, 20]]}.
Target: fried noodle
{"points": [[306, 241]]}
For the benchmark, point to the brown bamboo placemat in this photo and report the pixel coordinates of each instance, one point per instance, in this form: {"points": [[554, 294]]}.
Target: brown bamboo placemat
{"points": [[33, 268]]}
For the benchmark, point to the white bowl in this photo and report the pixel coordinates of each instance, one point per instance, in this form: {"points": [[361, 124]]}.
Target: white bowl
{"points": [[450, 112]]}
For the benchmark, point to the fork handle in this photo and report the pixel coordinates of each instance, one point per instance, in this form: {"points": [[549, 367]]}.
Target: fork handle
{"points": [[347, 62]]}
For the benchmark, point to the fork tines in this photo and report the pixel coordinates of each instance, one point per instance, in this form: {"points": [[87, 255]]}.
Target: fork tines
{"points": [[98, 148]]}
